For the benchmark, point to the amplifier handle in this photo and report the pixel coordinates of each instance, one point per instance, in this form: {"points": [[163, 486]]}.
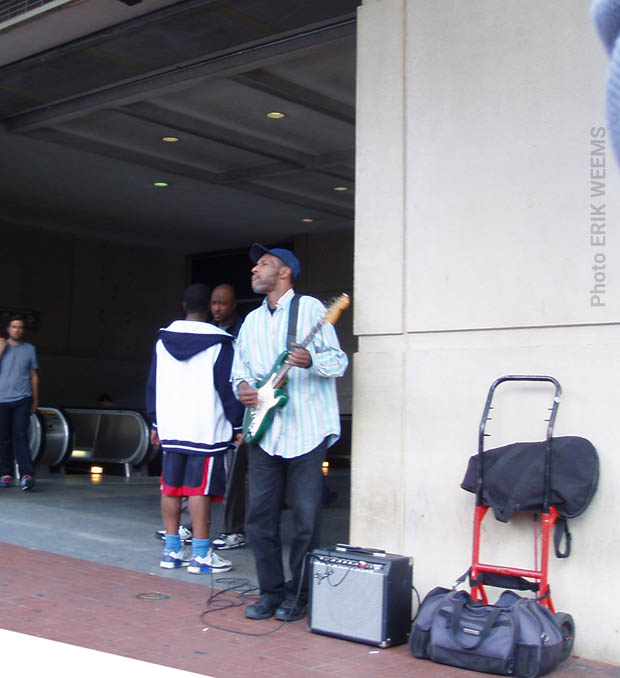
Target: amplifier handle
{"points": [[359, 549]]}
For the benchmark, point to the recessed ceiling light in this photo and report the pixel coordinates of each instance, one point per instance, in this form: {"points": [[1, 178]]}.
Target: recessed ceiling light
{"points": [[276, 115], [307, 220], [170, 140], [341, 188], [160, 184]]}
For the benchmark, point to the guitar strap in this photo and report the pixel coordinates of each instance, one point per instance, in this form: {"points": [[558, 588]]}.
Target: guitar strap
{"points": [[291, 335]]}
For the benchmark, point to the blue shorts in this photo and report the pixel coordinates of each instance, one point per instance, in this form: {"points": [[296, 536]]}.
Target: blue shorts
{"points": [[190, 475]]}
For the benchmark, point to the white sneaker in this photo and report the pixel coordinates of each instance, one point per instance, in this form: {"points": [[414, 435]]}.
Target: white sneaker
{"points": [[229, 540], [173, 559], [184, 533], [210, 563]]}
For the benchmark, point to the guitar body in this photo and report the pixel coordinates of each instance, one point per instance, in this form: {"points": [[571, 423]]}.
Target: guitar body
{"points": [[271, 397], [272, 389]]}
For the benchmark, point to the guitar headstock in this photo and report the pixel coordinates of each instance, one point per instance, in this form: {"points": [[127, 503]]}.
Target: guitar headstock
{"points": [[336, 307]]}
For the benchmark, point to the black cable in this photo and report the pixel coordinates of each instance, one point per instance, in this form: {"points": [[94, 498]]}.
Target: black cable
{"points": [[238, 584], [244, 589], [301, 580], [327, 576], [417, 595]]}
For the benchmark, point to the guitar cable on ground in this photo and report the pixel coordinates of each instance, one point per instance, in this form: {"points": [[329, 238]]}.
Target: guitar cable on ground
{"points": [[244, 590]]}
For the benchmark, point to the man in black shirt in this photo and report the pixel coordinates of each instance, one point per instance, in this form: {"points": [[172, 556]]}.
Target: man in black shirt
{"points": [[225, 316]]}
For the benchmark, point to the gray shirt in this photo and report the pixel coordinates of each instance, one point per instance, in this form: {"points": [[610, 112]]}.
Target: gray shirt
{"points": [[15, 365]]}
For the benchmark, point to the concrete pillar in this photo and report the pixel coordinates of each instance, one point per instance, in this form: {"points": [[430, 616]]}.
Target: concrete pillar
{"points": [[486, 208]]}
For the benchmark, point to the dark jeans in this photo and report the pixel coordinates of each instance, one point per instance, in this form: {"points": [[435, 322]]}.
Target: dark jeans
{"points": [[269, 478], [14, 422], [234, 510]]}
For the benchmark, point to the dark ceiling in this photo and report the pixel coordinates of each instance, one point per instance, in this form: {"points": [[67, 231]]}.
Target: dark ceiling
{"points": [[84, 106]]}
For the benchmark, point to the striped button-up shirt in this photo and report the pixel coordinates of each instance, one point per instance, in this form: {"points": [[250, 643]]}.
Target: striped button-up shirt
{"points": [[311, 413]]}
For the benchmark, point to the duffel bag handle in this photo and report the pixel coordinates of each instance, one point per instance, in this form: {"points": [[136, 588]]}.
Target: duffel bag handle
{"points": [[562, 531], [457, 614]]}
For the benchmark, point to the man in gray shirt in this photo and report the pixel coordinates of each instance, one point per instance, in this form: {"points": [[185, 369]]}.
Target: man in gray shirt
{"points": [[19, 396]]}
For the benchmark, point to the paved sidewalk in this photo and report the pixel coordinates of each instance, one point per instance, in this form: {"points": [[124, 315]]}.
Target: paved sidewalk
{"points": [[79, 565], [160, 620]]}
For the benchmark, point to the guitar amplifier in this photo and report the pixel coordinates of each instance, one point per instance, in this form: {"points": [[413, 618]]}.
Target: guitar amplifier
{"points": [[360, 594]]}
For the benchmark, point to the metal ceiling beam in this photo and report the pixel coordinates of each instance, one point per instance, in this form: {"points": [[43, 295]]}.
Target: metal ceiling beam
{"points": [[322, 164], [182, 123], [181, 76], [332, 164], [110, 32], [285, 196], [286, 159], [290, 91], [88, 145], [273, 170], [159, 164]]}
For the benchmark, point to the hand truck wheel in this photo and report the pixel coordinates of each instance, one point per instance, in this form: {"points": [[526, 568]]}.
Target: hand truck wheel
{"points": [[567, 628]]}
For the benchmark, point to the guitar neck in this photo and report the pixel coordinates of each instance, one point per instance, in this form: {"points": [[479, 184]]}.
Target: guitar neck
{"points": [[281, 375]]}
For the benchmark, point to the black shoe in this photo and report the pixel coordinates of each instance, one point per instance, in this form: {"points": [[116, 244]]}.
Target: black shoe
{"points": [[263, 608], [291, 610]]}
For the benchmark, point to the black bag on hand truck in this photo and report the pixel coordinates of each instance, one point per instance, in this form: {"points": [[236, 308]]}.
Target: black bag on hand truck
{"points": [[557, 474], [513, 478]]}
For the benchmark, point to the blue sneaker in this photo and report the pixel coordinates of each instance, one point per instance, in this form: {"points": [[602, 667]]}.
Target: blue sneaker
{"points": [[170, 560], [5, 481], [209, 563], [26, 482]]}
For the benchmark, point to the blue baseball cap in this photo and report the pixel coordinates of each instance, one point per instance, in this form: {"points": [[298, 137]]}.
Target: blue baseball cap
{"points": [[257, 250]]}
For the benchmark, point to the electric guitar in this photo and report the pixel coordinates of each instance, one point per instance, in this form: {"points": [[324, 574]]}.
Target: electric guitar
{"points": [[272, 389]]}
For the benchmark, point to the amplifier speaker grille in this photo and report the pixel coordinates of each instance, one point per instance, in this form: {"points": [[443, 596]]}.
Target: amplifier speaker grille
{"points": [[361, 596]]}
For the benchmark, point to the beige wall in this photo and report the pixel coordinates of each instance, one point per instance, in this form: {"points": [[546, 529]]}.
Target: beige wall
{"points": [[99, 307], [474, 259]]}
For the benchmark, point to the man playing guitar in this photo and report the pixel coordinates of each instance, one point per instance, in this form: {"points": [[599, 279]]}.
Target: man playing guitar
{"points": [[291, 450]]}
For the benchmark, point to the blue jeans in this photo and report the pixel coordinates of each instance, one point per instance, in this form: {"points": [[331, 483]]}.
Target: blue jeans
{"points": [[14, 422], [269, 478]]}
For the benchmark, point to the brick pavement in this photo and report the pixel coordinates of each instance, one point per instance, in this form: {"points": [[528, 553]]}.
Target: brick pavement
{"points": [[97, 606]]}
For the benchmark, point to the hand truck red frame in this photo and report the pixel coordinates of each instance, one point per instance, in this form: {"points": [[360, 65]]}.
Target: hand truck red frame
{"points": [[549, 517]]}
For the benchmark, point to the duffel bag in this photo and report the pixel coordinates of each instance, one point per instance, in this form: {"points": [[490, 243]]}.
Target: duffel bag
{"points": [[516, 636]]}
